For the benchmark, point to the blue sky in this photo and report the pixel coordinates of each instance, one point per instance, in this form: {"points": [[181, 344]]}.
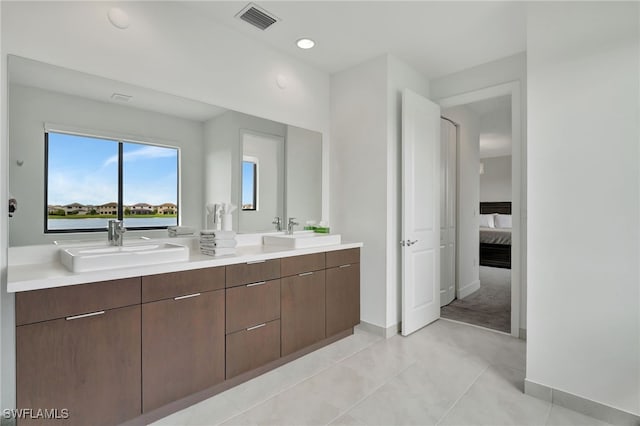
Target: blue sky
{"points": [[85, 170], [247, 183]]}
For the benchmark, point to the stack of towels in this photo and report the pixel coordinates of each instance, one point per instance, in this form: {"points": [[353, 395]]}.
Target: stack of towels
{"points": [[217, 243], [180, 231]]}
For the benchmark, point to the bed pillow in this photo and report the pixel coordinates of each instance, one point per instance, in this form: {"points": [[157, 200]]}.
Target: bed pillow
{"points": [[502, 221], [486, 221]]}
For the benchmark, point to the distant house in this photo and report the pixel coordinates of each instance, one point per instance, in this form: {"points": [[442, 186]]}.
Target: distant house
{"points": [[107, 209], [55, 210], [167, 208], [141, 208], [75, 208]]}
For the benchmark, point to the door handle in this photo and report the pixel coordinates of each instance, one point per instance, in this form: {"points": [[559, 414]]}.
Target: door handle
{"points": [[407, 243], [92, 314], [188, 296], [256, 284]]}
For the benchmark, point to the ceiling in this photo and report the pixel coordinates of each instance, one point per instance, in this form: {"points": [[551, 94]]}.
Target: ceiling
{"points": [[437, 38]]}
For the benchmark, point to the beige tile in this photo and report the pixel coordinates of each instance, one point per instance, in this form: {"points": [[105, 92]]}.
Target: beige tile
{"points": [[560, 416], [209, 412], [420, 395], [382, 360], [318, 400], [347, 420], [348, 346], [497, 398]]}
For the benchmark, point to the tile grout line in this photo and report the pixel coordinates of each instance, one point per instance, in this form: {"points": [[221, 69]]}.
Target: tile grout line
{"points": [[358, 402], [548, 416], [446, 413], [332, 364]]}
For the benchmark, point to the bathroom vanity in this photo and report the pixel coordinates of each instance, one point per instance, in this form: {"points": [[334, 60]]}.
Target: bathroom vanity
{"points": [[149, 341]]}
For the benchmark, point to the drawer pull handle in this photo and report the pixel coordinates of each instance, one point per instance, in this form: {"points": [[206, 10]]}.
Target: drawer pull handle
{"points": [[305, 274], [256, 261], [255, 284], [187, 296], [92, 314], [256, 326], [344, 266]]}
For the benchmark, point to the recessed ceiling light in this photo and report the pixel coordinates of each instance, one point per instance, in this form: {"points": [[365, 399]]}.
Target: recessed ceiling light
{"points": [[118, 18], [305, 43]]}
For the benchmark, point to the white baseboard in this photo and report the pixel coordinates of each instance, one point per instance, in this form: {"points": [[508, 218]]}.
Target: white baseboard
{"points": [[468, 289], [378, 330], [594, 409]]}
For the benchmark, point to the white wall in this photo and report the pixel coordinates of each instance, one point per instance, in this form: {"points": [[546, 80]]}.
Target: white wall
{"points": [[467, 249], [495, 133], [359, 175], [168, 48], [31, 108], [495, 182], [506, 70], [365, 180], [584, 203]]}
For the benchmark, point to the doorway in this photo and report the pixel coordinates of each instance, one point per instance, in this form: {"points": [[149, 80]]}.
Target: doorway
{"points": [[487, 292]]}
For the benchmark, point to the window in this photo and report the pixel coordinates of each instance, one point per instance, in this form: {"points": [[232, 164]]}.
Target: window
{"points": [[91, 180], [249, 184]]}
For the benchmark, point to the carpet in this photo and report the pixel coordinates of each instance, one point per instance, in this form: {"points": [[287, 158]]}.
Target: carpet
{"points": [[489, 306]]}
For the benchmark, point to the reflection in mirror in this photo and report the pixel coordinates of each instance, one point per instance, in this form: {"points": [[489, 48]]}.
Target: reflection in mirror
{"points": [[266, 154], [208, 149]]}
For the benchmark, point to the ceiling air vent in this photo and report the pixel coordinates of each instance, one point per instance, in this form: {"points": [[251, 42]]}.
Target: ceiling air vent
{"points": [[257, 16]]}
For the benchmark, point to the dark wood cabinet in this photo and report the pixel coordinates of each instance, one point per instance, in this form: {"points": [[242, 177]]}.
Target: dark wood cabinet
{"points": [[183, 348], [252, 347], [113, 351], [252, 304], [343, 297], [89, 365], [302, 310]]}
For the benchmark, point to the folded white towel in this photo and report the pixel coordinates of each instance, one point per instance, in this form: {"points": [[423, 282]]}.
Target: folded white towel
{"points": [[218, 243], [182, 229], [218, 251], [213, 233]]}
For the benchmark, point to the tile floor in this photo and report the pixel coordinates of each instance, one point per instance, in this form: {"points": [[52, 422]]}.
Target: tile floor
{"points": [[445, 374]]}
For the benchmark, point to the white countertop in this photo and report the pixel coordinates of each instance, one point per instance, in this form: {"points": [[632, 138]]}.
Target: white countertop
{"points": [[48, 272]]}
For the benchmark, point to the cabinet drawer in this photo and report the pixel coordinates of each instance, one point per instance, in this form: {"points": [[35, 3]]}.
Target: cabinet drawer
{"points": [[253, 272], [253, 347], [299, 264], [166, 286], [252, 304], [343, 257], [51, 303]]}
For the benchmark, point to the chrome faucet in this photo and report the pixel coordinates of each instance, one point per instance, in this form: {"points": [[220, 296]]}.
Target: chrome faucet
{"points": [[116, 232], [278, 223], [292, 223]]}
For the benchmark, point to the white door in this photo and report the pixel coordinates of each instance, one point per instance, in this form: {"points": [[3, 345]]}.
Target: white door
{"points": [[420, 212]]}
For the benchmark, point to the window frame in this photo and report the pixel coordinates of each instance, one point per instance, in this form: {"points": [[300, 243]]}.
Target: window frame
{"points": [[120, 140]]}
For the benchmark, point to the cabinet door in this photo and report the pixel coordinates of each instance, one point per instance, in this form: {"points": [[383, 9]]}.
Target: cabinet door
{"points": [[343, 298], [302, 310], [182, 347], [89, 365]]}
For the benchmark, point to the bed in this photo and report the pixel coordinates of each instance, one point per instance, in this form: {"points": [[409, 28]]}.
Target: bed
{"points": [[495, 243]]}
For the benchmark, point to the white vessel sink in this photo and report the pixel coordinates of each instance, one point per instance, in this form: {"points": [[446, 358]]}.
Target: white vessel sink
{"points": [[302, 240], [83, 259]]}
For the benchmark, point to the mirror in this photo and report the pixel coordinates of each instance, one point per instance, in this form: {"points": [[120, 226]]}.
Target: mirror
{"points": [[223, 156]]}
